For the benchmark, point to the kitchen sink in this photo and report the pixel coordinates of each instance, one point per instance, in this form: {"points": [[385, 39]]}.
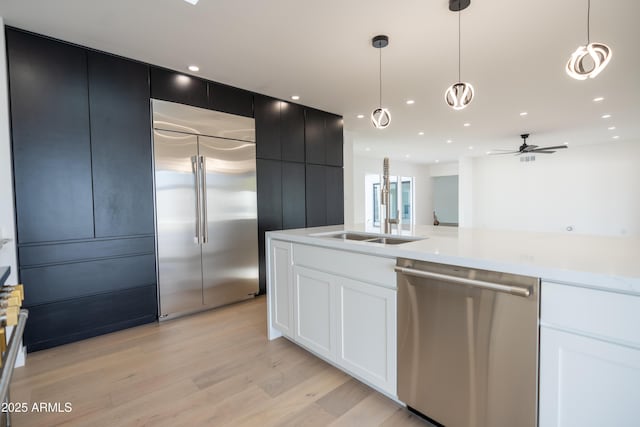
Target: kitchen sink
{"points": [[352, 236], [392, 240], [371, 238]]}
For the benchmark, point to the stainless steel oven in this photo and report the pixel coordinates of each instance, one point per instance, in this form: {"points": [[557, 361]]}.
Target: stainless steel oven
{"points": [[468, 345]]}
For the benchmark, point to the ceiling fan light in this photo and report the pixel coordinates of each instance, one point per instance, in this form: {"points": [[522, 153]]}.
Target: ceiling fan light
{"points": [[381, 118], [600, 55], [459, 95]]}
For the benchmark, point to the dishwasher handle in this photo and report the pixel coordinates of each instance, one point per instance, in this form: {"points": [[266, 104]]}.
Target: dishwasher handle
{"points": [[514, 290]]}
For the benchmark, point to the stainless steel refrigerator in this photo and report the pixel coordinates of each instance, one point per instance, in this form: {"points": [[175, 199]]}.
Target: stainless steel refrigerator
{"points": [[206, 208]]}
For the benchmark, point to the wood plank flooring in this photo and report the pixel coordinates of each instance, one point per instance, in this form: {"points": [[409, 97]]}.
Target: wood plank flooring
{"points": [[211, 369]]}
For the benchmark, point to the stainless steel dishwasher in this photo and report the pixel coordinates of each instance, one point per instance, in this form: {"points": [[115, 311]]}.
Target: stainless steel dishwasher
{"points": [[468, 345]]}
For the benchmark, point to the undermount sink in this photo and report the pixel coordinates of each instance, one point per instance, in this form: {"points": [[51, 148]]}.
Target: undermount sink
{"points": [[373, 238]]}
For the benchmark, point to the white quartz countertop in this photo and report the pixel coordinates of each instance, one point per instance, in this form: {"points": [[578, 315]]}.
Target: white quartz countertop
{"points": [[610, 263]]}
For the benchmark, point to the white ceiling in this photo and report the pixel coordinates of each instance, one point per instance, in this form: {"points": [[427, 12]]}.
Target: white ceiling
{"points": [[512, 52]]}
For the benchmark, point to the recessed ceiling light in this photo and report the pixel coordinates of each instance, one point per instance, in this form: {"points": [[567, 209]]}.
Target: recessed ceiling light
{"points": [[410, 101], [615, 137], [295, 97], [449, 141], [606, 116], [420, 133], [466, 125], [192, 1], [488, 152], [598, 99], [470, 147], [611, 128], [524, 113], [407, 156], [566, 143], [360, 116], [367, 149], [437, 161], [194, 68]]}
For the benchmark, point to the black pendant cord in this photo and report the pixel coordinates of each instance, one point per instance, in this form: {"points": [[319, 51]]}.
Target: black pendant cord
{"points": [[380, 75], [459, 44], [588, 20]]}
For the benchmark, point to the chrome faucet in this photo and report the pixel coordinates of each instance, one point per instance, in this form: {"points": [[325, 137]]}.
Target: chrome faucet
{"points": [[384, 197]]}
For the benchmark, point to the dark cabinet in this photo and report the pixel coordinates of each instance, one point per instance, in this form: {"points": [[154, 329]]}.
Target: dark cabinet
{"points": [[292, 132], [335, 195], [280, 130], [269, 180], [120, 146], [314, 136], [83, 175], [293, 192], [230, 100], [333, 140], [316, 195], [177, 87], [325, 195], [51, 140], [267, 115], [323, 138]]}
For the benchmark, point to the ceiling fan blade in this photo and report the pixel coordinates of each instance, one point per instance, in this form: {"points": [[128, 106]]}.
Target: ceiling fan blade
{"points": [[504, 152], [543, 151], [555, 147]]}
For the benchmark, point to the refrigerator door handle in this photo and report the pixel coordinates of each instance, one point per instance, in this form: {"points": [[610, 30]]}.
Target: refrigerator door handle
{"points": [[195, 166], [205, 216]]}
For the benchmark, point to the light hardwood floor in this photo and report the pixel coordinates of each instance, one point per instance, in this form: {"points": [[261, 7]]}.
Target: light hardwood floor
{"points": [[214, 368]]}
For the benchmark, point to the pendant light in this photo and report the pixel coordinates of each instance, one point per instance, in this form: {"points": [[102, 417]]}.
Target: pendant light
{"points": [[599, 53], [459, 94], [380, 117]]}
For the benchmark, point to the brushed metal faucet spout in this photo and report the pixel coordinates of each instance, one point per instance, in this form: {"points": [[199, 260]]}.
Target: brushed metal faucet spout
{"points": [[384, 197]]}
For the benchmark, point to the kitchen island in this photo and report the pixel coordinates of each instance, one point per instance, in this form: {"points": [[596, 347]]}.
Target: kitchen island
{"points": [[336, 297]]}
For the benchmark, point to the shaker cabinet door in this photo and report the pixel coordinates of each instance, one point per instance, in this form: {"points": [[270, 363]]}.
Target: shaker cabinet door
{"points": [[51, 139], [366, 317], [587, 382], [314, 316]]}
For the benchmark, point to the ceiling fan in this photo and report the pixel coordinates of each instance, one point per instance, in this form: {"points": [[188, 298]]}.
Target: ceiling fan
{"points": [[525, 148]]}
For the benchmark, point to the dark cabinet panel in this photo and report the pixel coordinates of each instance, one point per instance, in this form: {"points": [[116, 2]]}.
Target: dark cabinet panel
{"points": [[316, 192], [120, 146], [293, 195], [230, 100], [51, 143], [267, 115], [314, 136], [62, 322], [176, 87], [335, 195], [292, 132], [34, 255], [269, 180], [67, 281], [333, 140]]}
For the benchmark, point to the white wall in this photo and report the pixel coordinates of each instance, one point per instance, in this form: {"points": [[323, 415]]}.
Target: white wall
{"points": [[444, 169], [465, 192], [361, 166], [594, 189], [7, 221]]}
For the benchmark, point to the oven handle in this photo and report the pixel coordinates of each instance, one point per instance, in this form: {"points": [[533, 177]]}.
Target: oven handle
{"points": [[514, 290]]}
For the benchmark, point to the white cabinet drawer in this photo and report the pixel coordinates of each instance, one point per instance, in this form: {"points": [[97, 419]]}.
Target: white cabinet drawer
{"points": [[366, 268], [602, 314]]}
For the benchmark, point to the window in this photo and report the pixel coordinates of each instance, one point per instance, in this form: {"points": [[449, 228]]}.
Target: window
{"points": [[400, 199]]}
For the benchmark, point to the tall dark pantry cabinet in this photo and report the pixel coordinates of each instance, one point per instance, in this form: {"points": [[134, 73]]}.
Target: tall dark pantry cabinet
{"points": [[84, 191], [83, 176]]}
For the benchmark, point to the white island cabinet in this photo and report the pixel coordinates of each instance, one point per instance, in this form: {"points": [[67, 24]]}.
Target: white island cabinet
{"points": [[340, 305], [589, 357]]}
